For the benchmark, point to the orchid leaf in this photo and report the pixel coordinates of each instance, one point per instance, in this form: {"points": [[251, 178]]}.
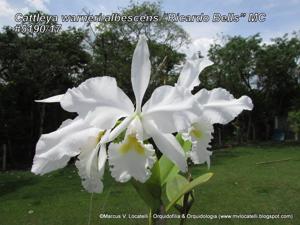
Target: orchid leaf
{"points": [[150, 191], [174, 186], [168, 170], [188, 187], [186, 145]]}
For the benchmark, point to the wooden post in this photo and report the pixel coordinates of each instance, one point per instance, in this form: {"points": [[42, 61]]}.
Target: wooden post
{"points": [[219, 136]]}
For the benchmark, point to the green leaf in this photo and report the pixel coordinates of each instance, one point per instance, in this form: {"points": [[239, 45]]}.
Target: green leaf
{"points": [[168, 170], [174, 186], [163, 171], [188, 187], [150, 191], [186, 145]]}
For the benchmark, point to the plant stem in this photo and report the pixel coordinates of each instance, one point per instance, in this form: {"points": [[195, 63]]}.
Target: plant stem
{"points": [[157, 221], [186, 203]]}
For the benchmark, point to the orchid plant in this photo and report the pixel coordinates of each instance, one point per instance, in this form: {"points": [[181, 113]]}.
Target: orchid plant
{"points": [[109, 128]]}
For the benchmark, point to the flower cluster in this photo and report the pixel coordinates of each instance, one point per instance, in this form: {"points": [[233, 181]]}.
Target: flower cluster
{"points": [[106, 113]]}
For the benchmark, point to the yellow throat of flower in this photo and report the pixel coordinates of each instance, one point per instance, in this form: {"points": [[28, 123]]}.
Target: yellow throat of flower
{"points": [[196, 133], [132, 144]]}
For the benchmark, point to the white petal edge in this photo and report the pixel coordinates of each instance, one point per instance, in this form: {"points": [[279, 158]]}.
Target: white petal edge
{"points": [[99, 100], [219, 106], [54, 150], [189, 76], [120, 128], [91, 166], [200, 154], [124, 166], [53, 99], [200, 144], [171, 109], [168, 145]]}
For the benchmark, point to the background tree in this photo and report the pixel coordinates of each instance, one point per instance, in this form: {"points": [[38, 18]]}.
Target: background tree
{"points": [[115, 43], [294, 120], [34, 67], [268, 73], [234, 69], [162, 30]]}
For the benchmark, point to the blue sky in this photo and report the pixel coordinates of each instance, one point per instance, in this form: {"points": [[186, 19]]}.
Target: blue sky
{"points": [[281, 15]]}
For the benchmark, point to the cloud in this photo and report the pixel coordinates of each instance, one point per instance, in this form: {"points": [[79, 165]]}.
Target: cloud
{"points": [[7, 12], [202, 36], [6, 9], [201, 45], [206, 29], [38, 4]]}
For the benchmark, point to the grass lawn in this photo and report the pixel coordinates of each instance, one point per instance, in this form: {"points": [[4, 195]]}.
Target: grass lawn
{"points": [[239, 186]]}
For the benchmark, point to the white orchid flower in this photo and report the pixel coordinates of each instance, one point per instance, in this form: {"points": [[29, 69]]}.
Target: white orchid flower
{"points": [[100, 103], [167, 111], [217, 106], [72, 138]]}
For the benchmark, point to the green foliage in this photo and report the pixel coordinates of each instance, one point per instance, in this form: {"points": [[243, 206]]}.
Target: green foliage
{"points": [[278, 72], [174, 186], [168, 170], [150, 191], [186, 145], [112, 57], [238, 185], [35, 67], [268, 73], [234, 63], [115, 42], [185, 188], [162, 31], [165, 174], [294, 120]]}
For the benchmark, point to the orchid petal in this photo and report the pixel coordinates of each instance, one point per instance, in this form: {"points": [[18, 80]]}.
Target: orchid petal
{"points": [[140, 71], [120, 128], [200, 154], [171, 109], [135, 128], [54, 150], [53, 99], [219, 106], [167, 144], [102, 159], [200, 136], [100, 100], [131, 158], [189, 76], [90, 171], [170, 147]]}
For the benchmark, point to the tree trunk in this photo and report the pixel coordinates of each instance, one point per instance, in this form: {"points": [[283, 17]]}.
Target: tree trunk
{"points": [[253, 133], [42, 119], [4, 157], [9, 152], [219, 136], [249, 127], [267, 130]]}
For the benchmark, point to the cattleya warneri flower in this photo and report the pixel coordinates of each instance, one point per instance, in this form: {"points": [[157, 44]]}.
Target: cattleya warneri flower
{"points": [[104, 113], [216, 106]]}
